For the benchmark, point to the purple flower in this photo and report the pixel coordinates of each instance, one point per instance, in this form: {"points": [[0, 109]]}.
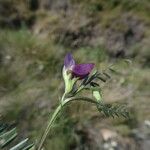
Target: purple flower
{"points": [[77, 70], [69, 62]]}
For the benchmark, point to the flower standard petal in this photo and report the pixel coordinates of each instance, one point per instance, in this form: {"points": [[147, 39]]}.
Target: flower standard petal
{"points": [[82, 70], [69, 62]]}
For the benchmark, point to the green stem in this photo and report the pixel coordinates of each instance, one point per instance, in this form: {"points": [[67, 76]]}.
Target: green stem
{"points": [[52, 119], [55, 114]]}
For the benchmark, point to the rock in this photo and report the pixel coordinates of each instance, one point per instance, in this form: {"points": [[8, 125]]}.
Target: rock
{"points": [[108, 134]]}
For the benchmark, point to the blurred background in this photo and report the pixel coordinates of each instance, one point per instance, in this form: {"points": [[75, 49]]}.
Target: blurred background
{"points": [[35, 35]]}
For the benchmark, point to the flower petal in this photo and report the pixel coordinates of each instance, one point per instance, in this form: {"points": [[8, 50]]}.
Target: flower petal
{"points": [[69, 61], [82, 70]]}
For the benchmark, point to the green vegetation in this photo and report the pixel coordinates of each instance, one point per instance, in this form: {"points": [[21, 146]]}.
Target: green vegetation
{"points": [[31, 58]]}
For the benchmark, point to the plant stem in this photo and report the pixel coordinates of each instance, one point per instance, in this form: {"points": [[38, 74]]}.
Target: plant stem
{"points": [[56, 112], [52, 119], [54, 116]]}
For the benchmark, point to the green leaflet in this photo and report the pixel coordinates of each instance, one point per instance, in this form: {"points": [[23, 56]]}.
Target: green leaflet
{"points": [[7, 135], [113, 110], [20, 145]]}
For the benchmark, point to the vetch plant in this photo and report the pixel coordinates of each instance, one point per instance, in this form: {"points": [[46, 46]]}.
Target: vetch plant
{"points": [[77, 78]]}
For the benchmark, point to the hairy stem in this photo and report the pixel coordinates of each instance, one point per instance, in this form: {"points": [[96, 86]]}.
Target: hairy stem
{"points": [[55, 114]]}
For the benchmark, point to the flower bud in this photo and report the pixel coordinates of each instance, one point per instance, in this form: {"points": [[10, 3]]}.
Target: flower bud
{"points": [[97, 95]]}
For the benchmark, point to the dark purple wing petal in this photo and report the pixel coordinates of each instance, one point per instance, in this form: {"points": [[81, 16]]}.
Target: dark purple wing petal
{"points": [[82, 70], [69, 61]]}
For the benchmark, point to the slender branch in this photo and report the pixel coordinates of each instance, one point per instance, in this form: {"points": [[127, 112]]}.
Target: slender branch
{"points": [[56, 112], [86, 99], [50, 122], [52, 119]]}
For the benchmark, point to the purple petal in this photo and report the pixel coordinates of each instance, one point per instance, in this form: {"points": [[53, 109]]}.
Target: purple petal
{"points": [[69, 61], [82, 70]]}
